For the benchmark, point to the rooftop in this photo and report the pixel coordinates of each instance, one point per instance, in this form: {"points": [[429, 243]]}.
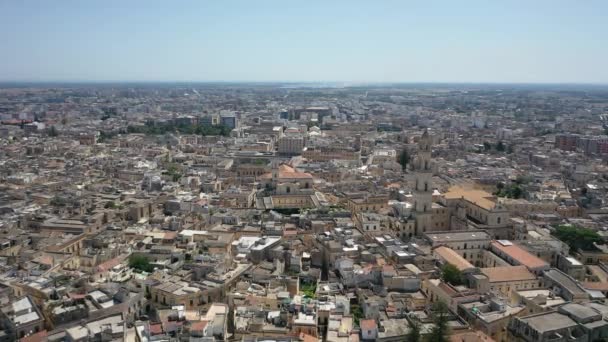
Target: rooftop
{"points": [[549, 321], [442, 237], [507, 273], [519, 254], [450, 256], [288, 172], [478, 197]]}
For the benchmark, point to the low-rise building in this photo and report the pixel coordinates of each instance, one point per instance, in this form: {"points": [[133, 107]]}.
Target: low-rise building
{"points": [[503, 280]]}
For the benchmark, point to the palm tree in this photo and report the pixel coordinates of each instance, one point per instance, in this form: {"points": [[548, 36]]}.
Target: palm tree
{"points": [[414, 334], [439, 333]]}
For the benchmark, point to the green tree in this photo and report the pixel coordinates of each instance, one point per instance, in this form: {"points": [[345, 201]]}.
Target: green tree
{"points": [[174, 171], [523, 179], [487, 146], [308, 289], [404, 159], [104, 136], [578, 239], [516, 191], [511, 191], [159, 129], [414, 334], [451, 274], [500, 147], [440, 330], [357, 313], [140, 262], [58, 201], [53, 132]]}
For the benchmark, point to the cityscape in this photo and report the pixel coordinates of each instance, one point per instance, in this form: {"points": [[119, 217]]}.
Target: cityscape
{"points": [[281, 212], [318, 171]]}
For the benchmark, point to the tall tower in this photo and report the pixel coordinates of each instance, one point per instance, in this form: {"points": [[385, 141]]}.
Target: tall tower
{"points": [[423, 193], [275, 173]]}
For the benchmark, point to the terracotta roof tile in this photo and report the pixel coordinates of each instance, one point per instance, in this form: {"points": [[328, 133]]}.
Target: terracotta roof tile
{"points": [[198, 326], [450, 256], [287, 172], [519, 254], [599, 286], [156, 329], [507, 273], [479, 197], [368, 324]]}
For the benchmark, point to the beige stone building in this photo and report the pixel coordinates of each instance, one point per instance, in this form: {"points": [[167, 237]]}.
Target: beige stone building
{"points": [[366, 202], [503, 280]]}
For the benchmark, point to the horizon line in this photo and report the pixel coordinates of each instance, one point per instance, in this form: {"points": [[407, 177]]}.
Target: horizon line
{"points": [[300, 82]]}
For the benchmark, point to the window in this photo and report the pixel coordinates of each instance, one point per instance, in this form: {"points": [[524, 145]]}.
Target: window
{"points": [[498, 220]]}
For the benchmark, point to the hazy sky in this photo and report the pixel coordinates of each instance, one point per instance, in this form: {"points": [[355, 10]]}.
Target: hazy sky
{"points": [[257, 40]]}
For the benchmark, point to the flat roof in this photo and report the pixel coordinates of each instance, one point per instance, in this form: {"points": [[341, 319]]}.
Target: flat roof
{"points": [[464, 235], [26, 318], [549, 321]]}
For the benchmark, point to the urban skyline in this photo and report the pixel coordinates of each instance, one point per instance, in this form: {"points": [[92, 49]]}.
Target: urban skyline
{"points": [[320, 171]]}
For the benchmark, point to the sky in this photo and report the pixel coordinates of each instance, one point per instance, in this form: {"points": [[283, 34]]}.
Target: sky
{"points": [[502, 41]]}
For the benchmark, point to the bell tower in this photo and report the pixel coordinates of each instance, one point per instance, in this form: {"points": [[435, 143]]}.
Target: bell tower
{"points": [[275, 173], [423, 192]]}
